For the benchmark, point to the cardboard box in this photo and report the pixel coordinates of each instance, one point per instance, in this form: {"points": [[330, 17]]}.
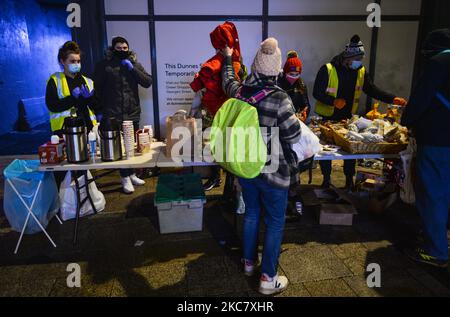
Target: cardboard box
{"points": [[51, 153], [337, 207], [337, 214]]}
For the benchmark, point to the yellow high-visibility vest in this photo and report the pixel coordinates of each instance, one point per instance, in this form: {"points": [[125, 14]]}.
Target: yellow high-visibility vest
{"points": [[57, 118], [332, 89]]}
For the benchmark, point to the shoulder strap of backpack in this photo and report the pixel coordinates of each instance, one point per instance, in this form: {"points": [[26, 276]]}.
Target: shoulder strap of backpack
{"points": [[257, 97]]}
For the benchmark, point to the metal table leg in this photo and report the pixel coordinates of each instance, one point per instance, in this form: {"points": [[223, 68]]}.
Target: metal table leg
{"points": [[80, 202]]}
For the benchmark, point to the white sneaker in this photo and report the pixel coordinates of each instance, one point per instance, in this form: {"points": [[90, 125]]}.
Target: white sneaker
{"points": [[136, 180], [276, 285], [127, 185]]}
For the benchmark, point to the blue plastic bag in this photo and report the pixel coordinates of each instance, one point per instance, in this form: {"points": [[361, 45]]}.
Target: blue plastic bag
{"points": [[25, 177]]}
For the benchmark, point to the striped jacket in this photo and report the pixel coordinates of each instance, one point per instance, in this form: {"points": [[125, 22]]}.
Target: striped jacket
{"points": [[275, 111]]}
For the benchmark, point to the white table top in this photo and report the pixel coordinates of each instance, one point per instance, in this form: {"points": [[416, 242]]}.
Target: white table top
{"points": [[341, 155], [183, 161], [157, 157], [147, 160]]}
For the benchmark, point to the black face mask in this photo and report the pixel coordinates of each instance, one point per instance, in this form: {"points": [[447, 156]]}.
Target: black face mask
{"points": [[122, 54]]}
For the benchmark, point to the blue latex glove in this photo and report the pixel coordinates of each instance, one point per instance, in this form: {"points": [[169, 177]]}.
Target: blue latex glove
{"points": [[127, 64], [86, 93], [76, 92]]}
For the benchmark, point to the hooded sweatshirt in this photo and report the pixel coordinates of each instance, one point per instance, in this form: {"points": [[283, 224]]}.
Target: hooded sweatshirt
{"points": [[426, 113]]}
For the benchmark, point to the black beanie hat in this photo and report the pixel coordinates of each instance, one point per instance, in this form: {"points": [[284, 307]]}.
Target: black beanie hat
{"points": [[119, 39], [436, 42]]}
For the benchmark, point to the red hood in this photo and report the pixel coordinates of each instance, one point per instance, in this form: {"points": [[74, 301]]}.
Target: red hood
{"points": [[226, 35]]}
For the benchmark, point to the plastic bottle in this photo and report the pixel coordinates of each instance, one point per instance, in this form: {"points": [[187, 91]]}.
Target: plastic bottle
{"points": [[149, 129], [92, 145]]}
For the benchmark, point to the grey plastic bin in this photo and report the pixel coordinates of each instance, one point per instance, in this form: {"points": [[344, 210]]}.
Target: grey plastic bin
{"points": [[180, 200]]}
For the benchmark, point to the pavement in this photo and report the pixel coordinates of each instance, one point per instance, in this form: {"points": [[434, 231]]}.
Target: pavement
{"points": [[319, 260]]}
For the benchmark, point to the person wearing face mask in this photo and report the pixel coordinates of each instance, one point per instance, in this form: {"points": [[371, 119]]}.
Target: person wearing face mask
{"points": [[69, 91], [428, 116], [291, 82], [117, 79], [338, 89]]}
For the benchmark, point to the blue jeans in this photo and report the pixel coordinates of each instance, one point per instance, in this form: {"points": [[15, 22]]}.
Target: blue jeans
{"points": [[258, 193], [433, 197]]}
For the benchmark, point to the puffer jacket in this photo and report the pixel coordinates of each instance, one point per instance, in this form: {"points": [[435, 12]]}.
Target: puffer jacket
{"points": [[117, 88], [210, 77]]}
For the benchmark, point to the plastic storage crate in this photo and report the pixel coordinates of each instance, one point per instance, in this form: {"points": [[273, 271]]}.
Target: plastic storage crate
{"points": [[179, 200]]}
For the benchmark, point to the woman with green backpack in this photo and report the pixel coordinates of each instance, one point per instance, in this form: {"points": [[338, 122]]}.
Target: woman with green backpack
{"points": [[270, 188]]}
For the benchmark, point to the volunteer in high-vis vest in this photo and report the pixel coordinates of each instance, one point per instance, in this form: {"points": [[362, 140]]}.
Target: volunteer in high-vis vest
{"points": [[69, 91], [338, 89]]}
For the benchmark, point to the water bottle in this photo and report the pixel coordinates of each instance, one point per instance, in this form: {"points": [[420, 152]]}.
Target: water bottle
{"points": [[92, 145]]}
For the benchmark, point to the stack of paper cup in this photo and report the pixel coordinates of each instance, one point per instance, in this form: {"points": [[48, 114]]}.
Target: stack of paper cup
{"points": [[144, 142], [128, 138]]}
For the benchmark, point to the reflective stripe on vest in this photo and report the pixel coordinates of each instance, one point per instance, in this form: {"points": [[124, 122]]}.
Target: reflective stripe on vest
{"points": [[57, 118], [332, 90]]}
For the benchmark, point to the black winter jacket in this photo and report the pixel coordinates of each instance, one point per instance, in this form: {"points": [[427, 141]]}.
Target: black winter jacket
{"points": [[425, 113], [117, 87], [346, 90], [298, 93]]}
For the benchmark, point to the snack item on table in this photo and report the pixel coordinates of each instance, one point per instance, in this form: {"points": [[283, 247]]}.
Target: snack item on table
{"points": [[363, 123], [353, 127], [372, 129], [371, 138], [374, 114], [354, 136]]}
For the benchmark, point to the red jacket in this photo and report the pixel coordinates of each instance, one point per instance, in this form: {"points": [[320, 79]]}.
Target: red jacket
{"points": [[210, 74]]}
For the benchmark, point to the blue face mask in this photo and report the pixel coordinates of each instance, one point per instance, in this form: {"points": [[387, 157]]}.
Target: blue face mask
{"points": [[356, 65], [74, 68]]}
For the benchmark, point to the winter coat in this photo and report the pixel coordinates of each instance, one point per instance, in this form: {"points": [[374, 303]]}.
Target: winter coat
{"points": [[275, 110], [298, 93], [210, 77], [117, 87], [426, 112], [210, 74]]}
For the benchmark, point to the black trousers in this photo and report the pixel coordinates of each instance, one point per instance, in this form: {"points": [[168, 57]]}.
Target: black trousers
{"points": [[349, 168]]}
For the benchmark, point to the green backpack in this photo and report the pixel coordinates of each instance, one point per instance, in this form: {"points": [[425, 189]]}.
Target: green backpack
{"points": [[237, 144]]}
